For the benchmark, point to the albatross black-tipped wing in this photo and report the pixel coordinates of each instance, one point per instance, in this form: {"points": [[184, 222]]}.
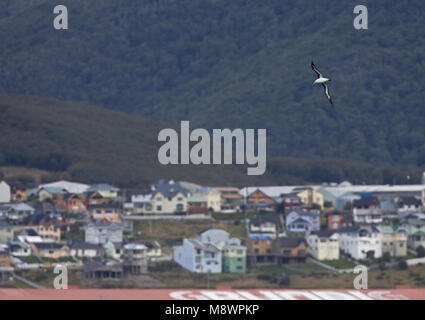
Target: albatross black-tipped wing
{"points": [[319, 74], [326, 88]]}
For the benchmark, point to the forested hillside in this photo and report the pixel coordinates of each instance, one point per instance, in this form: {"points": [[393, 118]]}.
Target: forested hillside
{"points": [[239, 63], [91, 144]]}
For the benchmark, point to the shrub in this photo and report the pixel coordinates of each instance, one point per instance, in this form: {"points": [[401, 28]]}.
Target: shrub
{"points": [[420, 252], [285, 281], [402, 265], [267, 277]]}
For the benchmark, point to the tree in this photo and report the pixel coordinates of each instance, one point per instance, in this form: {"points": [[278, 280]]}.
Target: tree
{"points": [[420, 251], [315, 206], [386, 257], [285, 281], [402, 265], [328, 204], [348, 206]]}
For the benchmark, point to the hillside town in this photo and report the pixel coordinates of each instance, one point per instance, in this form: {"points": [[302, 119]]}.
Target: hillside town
{"points": [[106, 233]]}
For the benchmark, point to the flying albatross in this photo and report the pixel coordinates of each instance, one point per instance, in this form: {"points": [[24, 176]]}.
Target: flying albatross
{"points": [[322, 80]]}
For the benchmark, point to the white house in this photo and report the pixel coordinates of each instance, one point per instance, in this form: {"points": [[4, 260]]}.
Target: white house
{"points": [[212, 235], [114, 250], [4, 192], [70, 187], [323, 245], [360, 242], [407, 205], [101, 232], [367, 210], [167, 198], [19, 249], [270, 225], [16, 211], [199, 257], [303, 220], [85, 250]]}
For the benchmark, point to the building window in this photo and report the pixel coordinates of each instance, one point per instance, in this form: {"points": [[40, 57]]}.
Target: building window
{"points": [[286, 252]]}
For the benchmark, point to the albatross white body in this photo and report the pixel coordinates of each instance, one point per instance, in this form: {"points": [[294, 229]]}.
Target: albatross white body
{"points": [[321, 80]]}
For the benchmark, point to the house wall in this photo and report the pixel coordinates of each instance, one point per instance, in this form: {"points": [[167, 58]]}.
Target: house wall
{"points": [[49, 233], [311, 222], [6, 234], [108, 214], [197, 260], [335, 222], [76, 204], [52, 253], [81, 253], [18, 196], [415, 234], [358, 247], [323, 249], [44, 194], [4, 192], [259, 197], [234, 259], [101, 235], [184, 255], [395, 245], [163, 205], [259, 246], [213, 199], [215, 236], [287, 252], [310, 196], [4, 258], [372, 215]]}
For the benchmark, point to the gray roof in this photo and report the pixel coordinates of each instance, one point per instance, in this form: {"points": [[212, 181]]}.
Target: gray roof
{"points": [[290, 242], [306, 213], [169, 189], [83, 245], [259, 220], [204, 246], [324, 233], [356, 229], [48, 245]]}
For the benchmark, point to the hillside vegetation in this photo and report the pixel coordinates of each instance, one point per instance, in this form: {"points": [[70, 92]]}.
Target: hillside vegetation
{"points": [[91, 144], [239, 63], [64, 140]]}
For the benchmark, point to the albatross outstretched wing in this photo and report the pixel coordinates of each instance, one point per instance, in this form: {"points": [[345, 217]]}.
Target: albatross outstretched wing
{"points": [[326, 88], [319, 74]]}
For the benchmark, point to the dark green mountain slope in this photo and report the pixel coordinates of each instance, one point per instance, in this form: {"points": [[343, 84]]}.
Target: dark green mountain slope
{"points": [[239, 63], [91, 144]]}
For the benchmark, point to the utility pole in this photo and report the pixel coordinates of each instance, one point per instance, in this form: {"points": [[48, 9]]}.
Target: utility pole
{"points": [[244, 211]]}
